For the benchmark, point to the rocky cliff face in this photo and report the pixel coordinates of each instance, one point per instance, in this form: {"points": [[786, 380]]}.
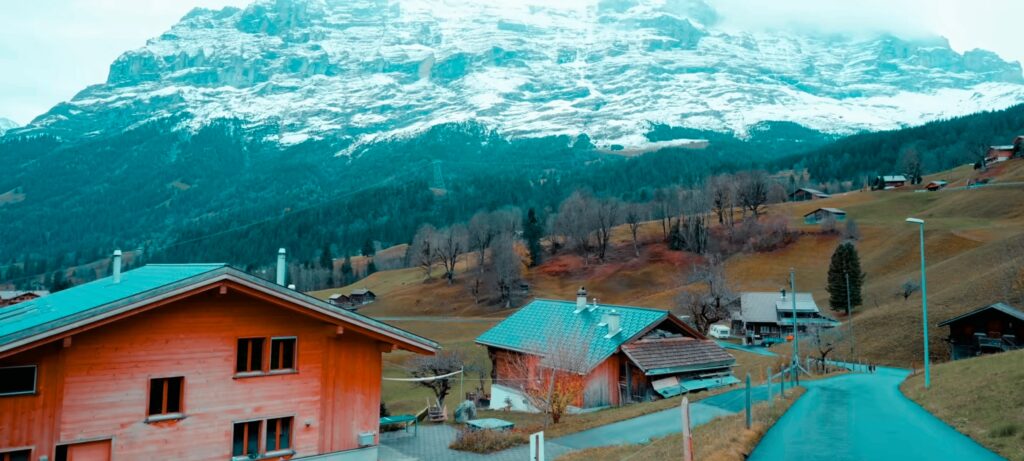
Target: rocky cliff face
{"points": [[7, 124], [370, 69]]}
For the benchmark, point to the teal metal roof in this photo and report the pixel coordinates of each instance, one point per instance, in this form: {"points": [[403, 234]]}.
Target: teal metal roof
{"points": [[48, 313], [544, 324]]}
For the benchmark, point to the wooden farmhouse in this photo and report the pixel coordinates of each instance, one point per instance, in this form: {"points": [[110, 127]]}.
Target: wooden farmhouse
{"points": [[10, 298], [824, 214], [622, 354], [998, 154], [763, 318], [936, 185], [994, 328], [804, 194], [889, 182], [190, 362]]}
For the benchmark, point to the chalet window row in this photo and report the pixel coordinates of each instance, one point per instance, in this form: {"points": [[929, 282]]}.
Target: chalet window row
{"points": [[19, 380], [265, 437], [255, 356]]}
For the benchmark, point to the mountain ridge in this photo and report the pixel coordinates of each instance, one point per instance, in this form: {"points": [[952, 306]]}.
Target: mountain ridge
{"points": [[370, 70]]}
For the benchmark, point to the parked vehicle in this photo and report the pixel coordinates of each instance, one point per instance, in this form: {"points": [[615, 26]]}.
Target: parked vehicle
{"points": [[719, 331]]}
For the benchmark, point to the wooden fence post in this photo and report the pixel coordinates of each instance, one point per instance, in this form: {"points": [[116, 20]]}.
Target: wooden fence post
{"points": [[537, 446], [687, 434]]}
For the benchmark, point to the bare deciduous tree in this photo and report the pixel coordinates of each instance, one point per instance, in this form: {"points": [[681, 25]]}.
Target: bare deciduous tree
{"points": [[709, 303], [912, 165], [634, 215], [605, 214], [908, 288], [553, 376], [422, 252], [752, 190], [575, 221], [508, 266], [852, 231], [721, 192], [449, 244], [825, 340], [442, 363]]}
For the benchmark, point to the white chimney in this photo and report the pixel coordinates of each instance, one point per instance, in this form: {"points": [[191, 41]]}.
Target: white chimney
{"points": [[783, 291], [581, 300], [117, 266], [593, 305], [281, 266], [614, 320], [291, 286]]}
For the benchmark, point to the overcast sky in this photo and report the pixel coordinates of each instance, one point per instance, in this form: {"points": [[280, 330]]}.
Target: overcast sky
{"points": [[51, 49]]}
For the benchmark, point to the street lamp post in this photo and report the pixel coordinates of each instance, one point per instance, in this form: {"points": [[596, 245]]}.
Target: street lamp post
{"points": [[924, 304]]}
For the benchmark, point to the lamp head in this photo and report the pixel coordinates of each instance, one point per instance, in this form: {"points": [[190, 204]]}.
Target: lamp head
{"points": [[915, 220]]}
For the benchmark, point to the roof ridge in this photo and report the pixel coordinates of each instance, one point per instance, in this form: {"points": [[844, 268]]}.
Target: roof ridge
{"points": [[600, 305]]}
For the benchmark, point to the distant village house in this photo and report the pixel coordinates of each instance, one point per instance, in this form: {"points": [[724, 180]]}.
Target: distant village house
{"points": [[804, 194], [763, 318], [889, 182], [628, 354], [362, 296], [824, 214], [998, 154], [936, 185], [10, 298], [994, 328], [191, 361]]}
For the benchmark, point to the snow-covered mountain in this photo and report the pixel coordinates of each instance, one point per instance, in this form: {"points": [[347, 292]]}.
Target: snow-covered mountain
{"points": [[371, 69], [7, 124]]}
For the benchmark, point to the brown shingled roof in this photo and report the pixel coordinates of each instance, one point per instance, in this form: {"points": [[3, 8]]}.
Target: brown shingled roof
{"points": [[659, 354]]}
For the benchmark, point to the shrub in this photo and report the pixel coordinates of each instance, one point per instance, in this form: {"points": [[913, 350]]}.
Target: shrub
{"points": [[1005, 430], [488, 441]]}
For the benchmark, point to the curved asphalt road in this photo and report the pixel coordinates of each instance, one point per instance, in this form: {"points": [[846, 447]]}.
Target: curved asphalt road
{"points": [[863, 417]]}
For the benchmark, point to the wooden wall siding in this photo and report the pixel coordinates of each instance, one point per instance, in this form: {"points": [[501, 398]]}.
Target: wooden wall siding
{"points": [[31, 420], [106, 373], [602, 384]]}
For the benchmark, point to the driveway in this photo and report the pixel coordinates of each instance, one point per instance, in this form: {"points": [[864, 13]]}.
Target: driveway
{"points": [[863, 417]]}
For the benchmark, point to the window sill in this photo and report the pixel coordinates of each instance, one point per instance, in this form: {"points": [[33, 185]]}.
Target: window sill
{"points": [[166, 417], [267, 455], [254, 374]]}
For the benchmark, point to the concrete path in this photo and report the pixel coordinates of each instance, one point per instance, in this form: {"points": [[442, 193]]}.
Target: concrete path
{"points": [[758, 350], [863, 417], [432, 444]]}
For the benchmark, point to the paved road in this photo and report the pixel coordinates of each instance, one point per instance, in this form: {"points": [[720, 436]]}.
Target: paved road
{"points": [[857, 417], [759, 350]]}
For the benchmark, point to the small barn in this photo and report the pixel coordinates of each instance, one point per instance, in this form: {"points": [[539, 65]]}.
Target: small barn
{"points": [[625, 354], [340, 300], [994, 328], [362, 296], [824, 214], [804, 194], [936, 185]]}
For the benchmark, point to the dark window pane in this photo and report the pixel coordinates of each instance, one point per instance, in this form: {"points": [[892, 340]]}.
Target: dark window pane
{"points": [[61, 454], [282, 354], [174, 394], [256, 360], [254, 437], [238, 440], [243, 357], [156, 396], [20, 455], [279, 432], [18, 380]]}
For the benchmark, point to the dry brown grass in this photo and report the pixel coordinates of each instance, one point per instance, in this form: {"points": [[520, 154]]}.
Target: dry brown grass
{"points": [[721, 439], [981, 397]]}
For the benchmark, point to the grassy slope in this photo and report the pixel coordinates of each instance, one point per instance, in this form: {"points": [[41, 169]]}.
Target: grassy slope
{"points": [[966, 243], [980, 397]]}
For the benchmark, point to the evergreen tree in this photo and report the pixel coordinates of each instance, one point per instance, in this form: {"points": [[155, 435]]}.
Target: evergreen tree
{"points": [[532, 233], [845, 260], [346, 270], [371, 268], [368, 249], [325, 258]]}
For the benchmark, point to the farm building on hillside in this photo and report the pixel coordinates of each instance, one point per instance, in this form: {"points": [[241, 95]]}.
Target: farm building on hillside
{"points": [[993, 328], [804, 194], [767, 317], [10, 298], [362, 296], [936, 185], [824, 214], [889, 182], [191, 361], [998, 154], [620, 354]]}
